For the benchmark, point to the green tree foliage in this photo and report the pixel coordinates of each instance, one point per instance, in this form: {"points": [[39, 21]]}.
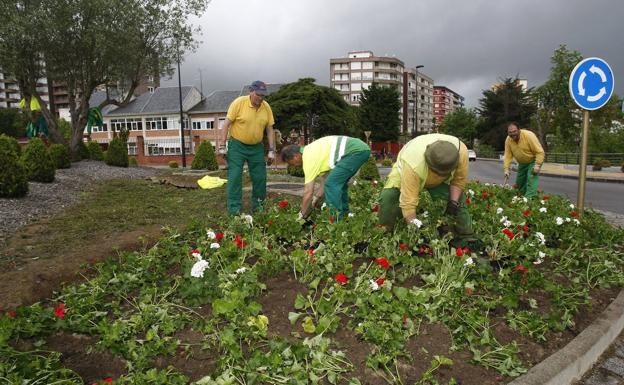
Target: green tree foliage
{"points": [[37, 161], [13, 181], [505, 103], [12, 142], [316, 110], [205, 158], [60, 156], [379, 112], [117, 153], [95, 150], [461, 123], [83, 48], [12, 122], [369, 170]]}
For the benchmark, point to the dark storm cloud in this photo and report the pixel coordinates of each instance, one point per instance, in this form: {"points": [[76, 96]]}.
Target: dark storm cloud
{"points": [[464, 45]]}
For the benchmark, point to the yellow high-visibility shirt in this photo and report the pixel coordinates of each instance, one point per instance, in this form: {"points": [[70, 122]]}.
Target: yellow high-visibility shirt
{"points": [[322, 155], [249, 123], [526, 150]]}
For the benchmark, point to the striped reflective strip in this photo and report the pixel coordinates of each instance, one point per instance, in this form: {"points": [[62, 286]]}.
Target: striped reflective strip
{"points": [[337, 150]]}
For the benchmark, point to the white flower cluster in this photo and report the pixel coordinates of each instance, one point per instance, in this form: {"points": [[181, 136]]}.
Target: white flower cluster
{"points": [[469, 262], [248, 218], [540, 258], [350, 215], [210, 234], [416, 222], [425, 214], [499, 210], [559, 221], [241, 270], [541, 238], [471, 193], [543, 210], [505, 221], [517, 199], [214, 245], [373, 285], [198, 268]]}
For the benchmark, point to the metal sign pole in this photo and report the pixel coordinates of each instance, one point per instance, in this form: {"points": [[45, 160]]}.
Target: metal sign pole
{"points": [[583, 166]]}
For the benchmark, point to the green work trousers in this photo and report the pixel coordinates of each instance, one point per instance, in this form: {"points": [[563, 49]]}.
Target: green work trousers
{"points": [[526, 180], [390, 212], [337, 182], [237, 154]]}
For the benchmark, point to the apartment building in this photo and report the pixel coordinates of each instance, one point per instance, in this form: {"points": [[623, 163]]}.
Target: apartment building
{"points": [[10, 94], [445, 101], [417, 102]]}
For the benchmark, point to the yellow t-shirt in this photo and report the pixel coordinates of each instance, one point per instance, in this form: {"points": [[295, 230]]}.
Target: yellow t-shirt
{"points": [[249, 123], [526, 150]]}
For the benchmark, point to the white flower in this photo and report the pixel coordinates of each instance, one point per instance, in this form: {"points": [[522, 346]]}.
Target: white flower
{"points": [[323, 205], [541, 237], [568, 220], [543, 202], [559, 221], [197, 255], [214, 245], [515, 199], [241, 270], [425, 214], [525, 199], [373, 285], [487, 184], [540, 259], [469, 262], [507, 223], [248, 218], [471, 192], [571, 206], [543, 209], [198, 268], [416, 222], [577, 222], [210, 234], [350, 215], [355, 182], [499, 210], [503, 219]]}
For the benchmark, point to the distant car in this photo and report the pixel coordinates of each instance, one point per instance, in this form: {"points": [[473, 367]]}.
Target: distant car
{"points": [[472, 156]]}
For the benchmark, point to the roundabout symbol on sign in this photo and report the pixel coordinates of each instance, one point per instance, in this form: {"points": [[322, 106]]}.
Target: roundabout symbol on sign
{"points": [[591, 83]]}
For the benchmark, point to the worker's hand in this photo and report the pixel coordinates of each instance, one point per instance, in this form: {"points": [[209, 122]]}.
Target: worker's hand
{"points": [[506, 174], [452, 207], [536, 169], [271, 154]]}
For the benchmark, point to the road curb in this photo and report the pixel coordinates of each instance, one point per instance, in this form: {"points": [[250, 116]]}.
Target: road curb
{"points": [[571, 362]]}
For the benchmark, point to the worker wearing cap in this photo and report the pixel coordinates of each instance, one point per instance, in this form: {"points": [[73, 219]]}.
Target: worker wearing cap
{"points": [[334, 158], [248, 118], [526, 148], [436, 163]]}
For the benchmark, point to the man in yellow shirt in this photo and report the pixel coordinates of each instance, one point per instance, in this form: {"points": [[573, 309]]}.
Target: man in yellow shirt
{"points": [[248, 118], [436, 163], [526, 148], [334, 158]]}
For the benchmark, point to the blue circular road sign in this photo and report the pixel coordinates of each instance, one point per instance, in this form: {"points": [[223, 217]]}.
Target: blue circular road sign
{"points": [[591, 83]]}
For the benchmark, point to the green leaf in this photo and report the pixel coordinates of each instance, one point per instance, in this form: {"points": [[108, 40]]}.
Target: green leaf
{"points": [[308, 325], [300, 302], [221, 306], [400, 292], [293, 317]]}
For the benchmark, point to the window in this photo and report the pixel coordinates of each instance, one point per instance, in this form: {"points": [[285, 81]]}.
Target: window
{"points": [[203, 124], [150, 89], [356, 75], [367, 76], [356, 87], [158, 123], [221, 123], [355, 97], [197, 125], [356, 65], [367, 65]]}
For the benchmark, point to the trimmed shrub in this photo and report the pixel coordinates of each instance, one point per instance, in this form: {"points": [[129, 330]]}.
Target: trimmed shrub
{"points": [[132, 161], [95, 150], [173, 164], [11, 144], [369, 170], [37, 162], [13, 180], [117, 153], [295, 171], [386, 162], [205, 158], [599, 163], [60, 156], [83, 151]]}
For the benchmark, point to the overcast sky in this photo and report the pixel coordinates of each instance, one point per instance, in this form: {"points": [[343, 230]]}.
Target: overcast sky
{"points": [[465, 45]]}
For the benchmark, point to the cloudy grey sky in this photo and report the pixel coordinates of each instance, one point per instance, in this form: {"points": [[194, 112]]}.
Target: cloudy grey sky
{"points": [[464, 45]]}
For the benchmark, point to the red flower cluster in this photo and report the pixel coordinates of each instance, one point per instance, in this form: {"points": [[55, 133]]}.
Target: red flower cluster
{"points": [[546, 197], [375, 209], [240, 243], [509, 233], [11, 314], [403, 246], [383, 262], [311, 252], [269, 222], [282, 204], [380, 281], [520, 268], [59, 310], [526, 213], [484, 195], [194, 251], [459, 252], [422, 250], [468, 200], [104, 381], [574, 214], [219, 237], [342, 279]]}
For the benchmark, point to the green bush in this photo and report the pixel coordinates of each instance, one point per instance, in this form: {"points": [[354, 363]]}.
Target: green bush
{"points": [[622, 167], [60, 156], [95, 150], [485, 151], [37, 162], [174, 164], [132, 161], [205, 158], [83, 151], [600, 163], [117, 153], [12, 144], [369, 170], [13, 122], [13, 181], [295, 171], [386, 162]]}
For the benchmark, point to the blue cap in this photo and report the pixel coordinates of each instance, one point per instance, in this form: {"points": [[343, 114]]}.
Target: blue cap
{"points": [[259, 87]]}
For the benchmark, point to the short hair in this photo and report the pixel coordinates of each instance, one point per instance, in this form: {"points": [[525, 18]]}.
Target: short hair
{"points": [[514, 123], [289, 152]]}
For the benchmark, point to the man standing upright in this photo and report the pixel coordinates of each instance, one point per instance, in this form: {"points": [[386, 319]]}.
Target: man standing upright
{"points": [[248, 117], [524, 146]]}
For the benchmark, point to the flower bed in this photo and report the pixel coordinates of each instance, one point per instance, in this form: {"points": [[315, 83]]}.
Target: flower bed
{"points": [[271, 300]]}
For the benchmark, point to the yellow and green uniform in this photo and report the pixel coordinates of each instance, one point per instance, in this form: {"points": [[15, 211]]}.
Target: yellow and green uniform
{"points": [[410, 175], [245, 144], [342, 157], [528, 151]]}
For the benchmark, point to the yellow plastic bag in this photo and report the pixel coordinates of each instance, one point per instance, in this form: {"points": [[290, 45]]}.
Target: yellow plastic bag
{"points": [[209, 182]]}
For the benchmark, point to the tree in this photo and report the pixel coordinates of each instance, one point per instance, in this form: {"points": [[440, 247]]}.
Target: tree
{"points": [[504, 103], [379, 112], [205, 158], [461, 123], [87, 43], [316, 110]]}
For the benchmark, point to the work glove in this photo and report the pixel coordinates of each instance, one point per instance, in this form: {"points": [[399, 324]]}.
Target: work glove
{"points": [[271, 154], [452, 207], [536, 169]]}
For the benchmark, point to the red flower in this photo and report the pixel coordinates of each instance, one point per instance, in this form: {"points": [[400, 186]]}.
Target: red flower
{"points": [[509, 233], [574, 214], [403, 246], [521, 269], [467, 200], [219, 237], [59, 310], [459, 252], [269, 222], [466, 250], [194, 251], [375, 209], [525, 228], [311, 252], [380, 281], [342, 279], [526, 213], [484, 194], [282, 204], [240, 243], [488, 206], [383, 262], [546, 197], [11, 313], [468, 291], [421, 250], [332, 219], [104, 381]]}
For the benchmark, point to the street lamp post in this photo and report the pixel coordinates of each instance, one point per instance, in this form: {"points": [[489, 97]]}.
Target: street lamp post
{"points": [[181, 113], [416, 100]]}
